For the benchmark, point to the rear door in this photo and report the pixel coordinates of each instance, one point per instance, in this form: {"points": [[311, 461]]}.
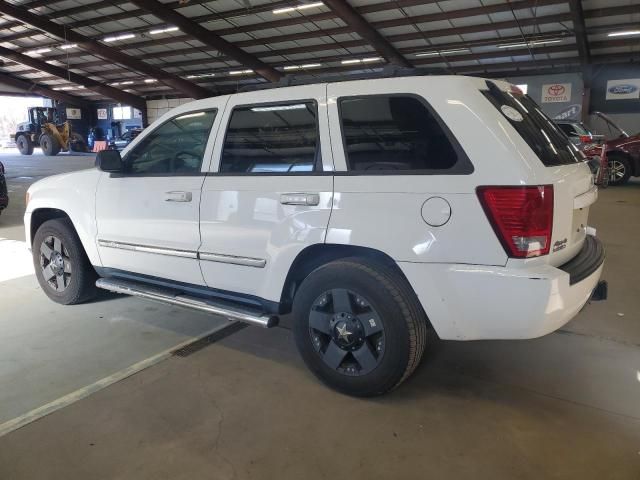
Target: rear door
{"points": [[560, 164], [269, 194]]}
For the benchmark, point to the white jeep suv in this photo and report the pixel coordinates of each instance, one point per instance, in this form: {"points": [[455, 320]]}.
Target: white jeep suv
{"points": [[372, 210]]}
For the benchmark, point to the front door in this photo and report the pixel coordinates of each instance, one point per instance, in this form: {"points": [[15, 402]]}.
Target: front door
{"points": [[147, 216], [270, 191]]}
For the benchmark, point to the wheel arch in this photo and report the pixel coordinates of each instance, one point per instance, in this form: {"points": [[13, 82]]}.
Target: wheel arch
{"points": [[41, 215], [314, 256]]}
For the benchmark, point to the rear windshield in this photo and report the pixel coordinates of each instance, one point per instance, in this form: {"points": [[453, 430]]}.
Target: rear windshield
{"points": [[543, 136]]}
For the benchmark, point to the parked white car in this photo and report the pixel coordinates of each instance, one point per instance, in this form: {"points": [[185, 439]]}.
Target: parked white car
{"points": [[374, 210]]}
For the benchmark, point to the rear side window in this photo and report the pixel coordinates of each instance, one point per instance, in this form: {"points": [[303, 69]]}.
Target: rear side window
{"points": [[279, 138], [396, 134], [544, 137]]}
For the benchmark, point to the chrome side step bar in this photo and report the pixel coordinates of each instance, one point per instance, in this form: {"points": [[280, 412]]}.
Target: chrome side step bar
{"points": [[172, 297]]}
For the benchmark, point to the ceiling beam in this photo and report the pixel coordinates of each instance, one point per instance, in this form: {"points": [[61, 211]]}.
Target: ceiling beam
{"points": [[34, 88], [358, 24], [291, 21], [209, 38], [93, 85], [226, 15], [580, 30], [113, 54]]}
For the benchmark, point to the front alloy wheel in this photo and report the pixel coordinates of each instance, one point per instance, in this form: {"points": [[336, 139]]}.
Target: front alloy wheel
{"points": [[55, 263], [617, 171], [346, 332], [61, 264]]}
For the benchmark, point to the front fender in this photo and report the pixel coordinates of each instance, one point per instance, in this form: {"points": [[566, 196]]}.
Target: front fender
{"points": [[75, 195]]}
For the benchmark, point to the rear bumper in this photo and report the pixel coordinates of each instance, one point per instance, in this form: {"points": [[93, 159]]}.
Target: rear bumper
{"points": [[473, 302]]}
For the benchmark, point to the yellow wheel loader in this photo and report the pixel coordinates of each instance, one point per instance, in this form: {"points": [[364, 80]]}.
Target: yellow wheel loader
{"points": [[44, 129]]}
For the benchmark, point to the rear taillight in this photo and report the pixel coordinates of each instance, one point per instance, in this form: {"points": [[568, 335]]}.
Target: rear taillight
{"points": [[586, 138], [522, 217]]}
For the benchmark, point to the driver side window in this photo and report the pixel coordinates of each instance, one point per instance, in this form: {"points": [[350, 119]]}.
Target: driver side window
{"points": [[176, 146]]}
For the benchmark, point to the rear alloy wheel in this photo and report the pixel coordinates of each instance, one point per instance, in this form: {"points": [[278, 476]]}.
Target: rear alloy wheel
{"points": [[62, 267], [619, 170], [346, 332], [49, 145], [25, 145], [359, 326]]}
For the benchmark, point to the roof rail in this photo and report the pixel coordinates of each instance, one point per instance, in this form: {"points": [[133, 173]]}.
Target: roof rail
{"points": [[388, 71]]}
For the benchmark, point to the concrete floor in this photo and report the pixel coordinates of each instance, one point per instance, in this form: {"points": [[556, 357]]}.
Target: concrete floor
{"points": [[563, 406]]}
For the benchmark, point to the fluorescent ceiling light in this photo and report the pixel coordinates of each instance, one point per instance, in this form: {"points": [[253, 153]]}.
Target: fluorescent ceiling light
{"points": [[624, 33], [371, 59], [347, 62], [68, 46], [304, 6], [298, 67], [531, 43], [443, 52], [128, 82], [150, 80], [123, 36], [201, 75], [163, 30], [279, 108], [39, 51], [240, 72], [455, 50], [69, 87], [544, 42], [512, 45]]}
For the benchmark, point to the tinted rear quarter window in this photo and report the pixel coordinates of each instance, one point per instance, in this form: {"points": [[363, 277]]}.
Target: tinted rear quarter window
{"points": [[397, 134], [545, 138], [279, 138]]}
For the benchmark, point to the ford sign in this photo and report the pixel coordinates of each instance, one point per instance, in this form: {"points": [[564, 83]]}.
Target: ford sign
{"points": [[624, 89]]}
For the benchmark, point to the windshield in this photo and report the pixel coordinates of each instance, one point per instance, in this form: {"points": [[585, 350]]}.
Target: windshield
{"points": [[544, 137]]}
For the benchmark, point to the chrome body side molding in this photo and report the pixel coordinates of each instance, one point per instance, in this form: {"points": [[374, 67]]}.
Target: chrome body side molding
{"points": [[211, 257]]}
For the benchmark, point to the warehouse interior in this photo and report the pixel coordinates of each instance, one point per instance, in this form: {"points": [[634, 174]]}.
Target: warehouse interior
{"points": [[127, 389]]}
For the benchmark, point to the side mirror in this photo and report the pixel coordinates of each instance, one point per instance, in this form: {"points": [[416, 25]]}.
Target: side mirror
{"points": [[109, 161]]}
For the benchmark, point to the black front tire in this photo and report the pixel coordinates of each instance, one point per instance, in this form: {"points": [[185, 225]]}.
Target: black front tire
{"points": [[25, 145], [73, 279], [50, 146], [619, 169], [387, 293]]}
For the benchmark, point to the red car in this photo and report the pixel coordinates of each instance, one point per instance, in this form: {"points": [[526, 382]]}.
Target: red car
{"points": [[4, 196], [623, 153]]}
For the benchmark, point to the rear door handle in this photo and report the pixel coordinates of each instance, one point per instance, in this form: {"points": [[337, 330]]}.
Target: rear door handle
{"points": [[177, 196], [309, 199]]}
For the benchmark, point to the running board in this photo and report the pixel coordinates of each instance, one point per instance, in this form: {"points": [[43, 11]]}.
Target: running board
{"points": [[174, 297]]}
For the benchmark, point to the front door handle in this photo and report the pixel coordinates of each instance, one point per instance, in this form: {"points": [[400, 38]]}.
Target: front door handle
{"points": [[309, 199], [177, 196]]}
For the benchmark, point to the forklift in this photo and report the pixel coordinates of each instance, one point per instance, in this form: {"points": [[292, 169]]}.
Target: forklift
{"points": [[45, 128]]}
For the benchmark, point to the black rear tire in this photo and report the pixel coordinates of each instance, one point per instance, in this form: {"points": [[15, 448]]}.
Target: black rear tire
{"points": [[62, 267], [77, 143], [374, 291], [50, 146], [619, 169], [25, 145]]}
